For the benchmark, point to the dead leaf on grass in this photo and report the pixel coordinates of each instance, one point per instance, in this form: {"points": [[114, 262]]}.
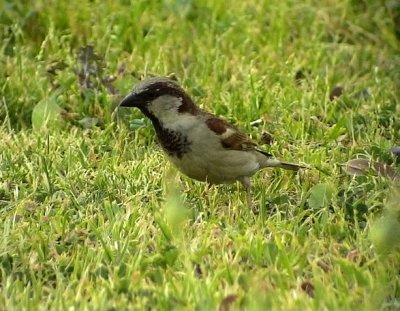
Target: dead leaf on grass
{"points": [[308, 288], [361, 167], [336, 92], [226, 303]]}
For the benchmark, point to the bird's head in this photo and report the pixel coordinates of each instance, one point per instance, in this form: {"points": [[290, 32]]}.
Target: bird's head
{"points": [[159, 97]]}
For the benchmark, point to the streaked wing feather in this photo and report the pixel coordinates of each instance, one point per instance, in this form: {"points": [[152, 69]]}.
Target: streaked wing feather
{"points": [[238, 141], [231, 137]]}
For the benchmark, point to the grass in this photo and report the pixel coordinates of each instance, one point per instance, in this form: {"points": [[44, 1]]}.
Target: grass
{"points": [[93, 218]]}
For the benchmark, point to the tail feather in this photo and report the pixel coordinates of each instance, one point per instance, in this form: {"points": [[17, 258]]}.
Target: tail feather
{"points": [[290, 166], [266, 160], [271, 162]]}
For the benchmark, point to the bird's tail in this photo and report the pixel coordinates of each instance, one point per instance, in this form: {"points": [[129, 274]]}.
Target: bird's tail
{"points": [[291, 166], [271, 162]]}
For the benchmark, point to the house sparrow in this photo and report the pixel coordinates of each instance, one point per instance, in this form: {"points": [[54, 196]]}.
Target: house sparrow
{"points": [[201, 145]]}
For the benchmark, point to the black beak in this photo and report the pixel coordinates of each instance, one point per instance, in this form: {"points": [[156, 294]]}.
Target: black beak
{"points": [[132, 100]]}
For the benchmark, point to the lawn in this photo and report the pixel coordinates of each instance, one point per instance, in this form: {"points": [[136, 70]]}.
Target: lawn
{"points": [[93, 217]]}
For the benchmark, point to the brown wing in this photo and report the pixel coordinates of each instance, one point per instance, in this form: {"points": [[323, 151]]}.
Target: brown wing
{"points": [[231, 137], [238, 141]]}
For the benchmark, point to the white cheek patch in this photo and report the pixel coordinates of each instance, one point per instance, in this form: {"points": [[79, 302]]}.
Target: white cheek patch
{"points": [[164, 106]]}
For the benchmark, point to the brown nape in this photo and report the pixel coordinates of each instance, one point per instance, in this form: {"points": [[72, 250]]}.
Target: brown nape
{"points": [[188, 106]]}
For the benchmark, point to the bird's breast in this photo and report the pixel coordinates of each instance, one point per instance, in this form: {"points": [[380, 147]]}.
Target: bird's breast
{"points": [[198, 153], [174, 143], [173, 132]]}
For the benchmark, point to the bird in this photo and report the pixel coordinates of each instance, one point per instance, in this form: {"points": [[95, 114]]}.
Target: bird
{"points": [[198, 143]]}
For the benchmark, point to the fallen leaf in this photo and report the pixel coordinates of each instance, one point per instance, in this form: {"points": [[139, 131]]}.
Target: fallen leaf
{"points": [[226, 303], [266, 138], [357, 167], [336, 92], [308, 288], [360, 167], [301, 75], [197, 270]]}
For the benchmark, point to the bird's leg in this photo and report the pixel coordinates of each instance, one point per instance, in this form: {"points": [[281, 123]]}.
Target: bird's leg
{"points": [[246, 182]]}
